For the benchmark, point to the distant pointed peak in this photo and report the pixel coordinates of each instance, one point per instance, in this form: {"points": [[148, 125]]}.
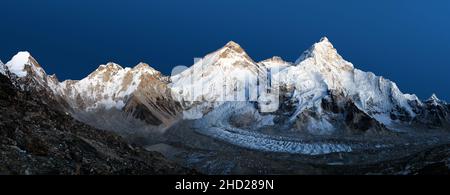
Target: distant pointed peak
{"points": [[145, 67], [434, 99], [323, 50], [324, 44], [232, 50], [324, 40], [142, 65], [231, 45]]}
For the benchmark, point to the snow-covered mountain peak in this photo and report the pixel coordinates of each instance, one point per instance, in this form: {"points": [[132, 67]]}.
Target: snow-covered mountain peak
{"points": [[321, 70], [17, 63], [275, 62], [434, 100], [322, 52], [106, 70], [142, 65], [324, 39], [28, 74], [110, 66], [434, 97], [227, 62], [231, 53], [146, 68], [227, 74], [234, 46], [24, 65]]}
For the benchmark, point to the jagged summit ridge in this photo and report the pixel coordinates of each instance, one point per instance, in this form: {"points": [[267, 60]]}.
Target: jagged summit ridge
{"points": [[114, 68], [110, 65], [109, 86]]}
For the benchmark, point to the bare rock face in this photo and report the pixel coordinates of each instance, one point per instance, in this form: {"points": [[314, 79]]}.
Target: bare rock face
{"points": [[38, 139], [3, 69], [243, 120], [337, 115], [153, 103], [357, 120]]}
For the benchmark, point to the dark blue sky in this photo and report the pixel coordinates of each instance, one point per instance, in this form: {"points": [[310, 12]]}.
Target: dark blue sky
{"points": [[403, 40]]}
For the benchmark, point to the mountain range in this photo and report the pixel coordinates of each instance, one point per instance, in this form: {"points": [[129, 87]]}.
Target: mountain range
{"points": [[271, 106]]}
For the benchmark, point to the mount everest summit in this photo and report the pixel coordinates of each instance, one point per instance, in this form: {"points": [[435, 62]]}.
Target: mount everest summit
{"points": [[227, 96]]}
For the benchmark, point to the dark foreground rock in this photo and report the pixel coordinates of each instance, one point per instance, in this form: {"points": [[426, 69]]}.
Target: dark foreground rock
{"points": [[37, 139], [432, 161]]}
